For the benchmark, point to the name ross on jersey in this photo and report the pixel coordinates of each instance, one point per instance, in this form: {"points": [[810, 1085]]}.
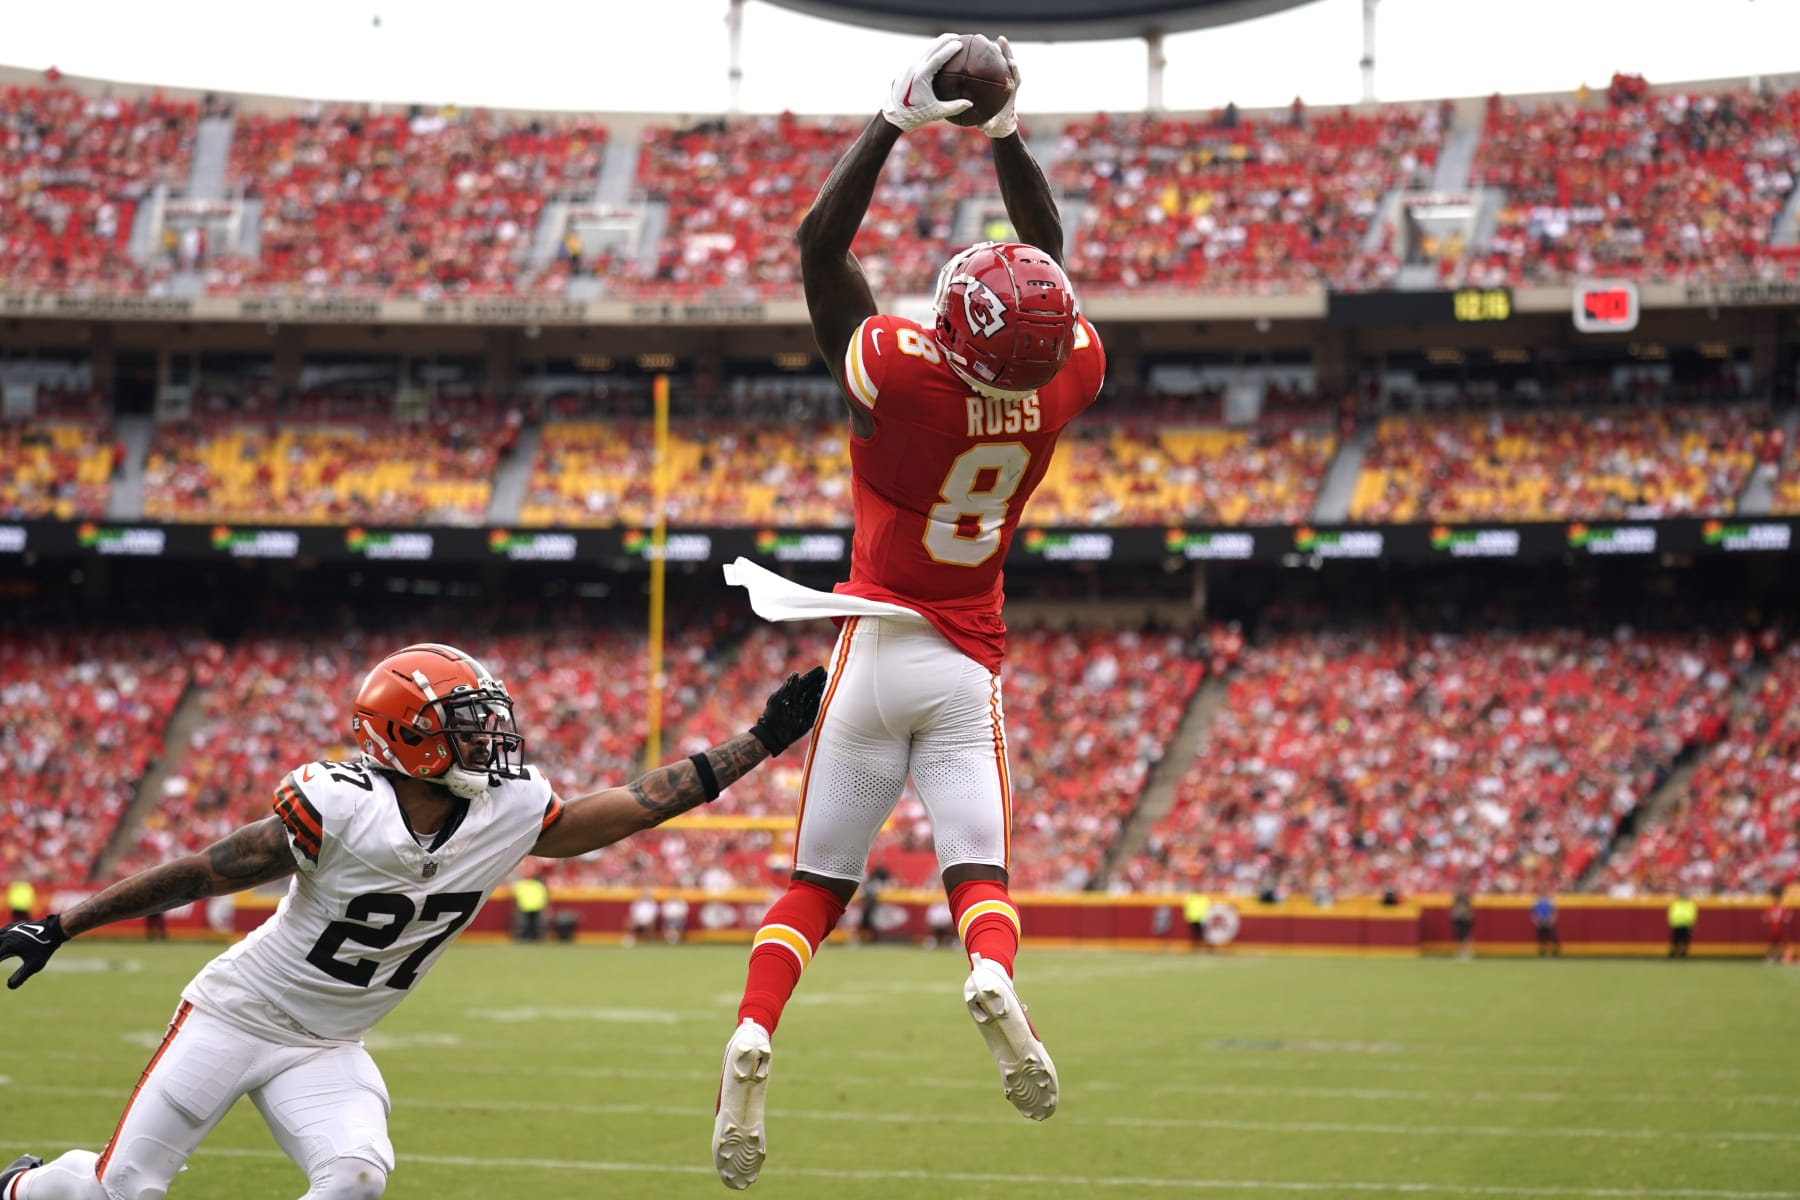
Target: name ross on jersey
{"points": [[991, 415]]}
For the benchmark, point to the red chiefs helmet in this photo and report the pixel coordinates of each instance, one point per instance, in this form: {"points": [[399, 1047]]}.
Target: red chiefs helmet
{"points": [[432, 712], [1006, 317]]}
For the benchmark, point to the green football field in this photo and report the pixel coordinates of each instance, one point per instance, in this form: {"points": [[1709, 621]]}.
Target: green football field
{"points": [[580, 1072]]}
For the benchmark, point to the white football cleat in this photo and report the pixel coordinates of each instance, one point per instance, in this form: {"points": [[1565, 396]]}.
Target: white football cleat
{"points": [[738, 1145], [1026, 1072]]}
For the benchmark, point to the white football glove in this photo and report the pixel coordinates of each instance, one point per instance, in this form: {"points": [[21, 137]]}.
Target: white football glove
{"points": [[911, 102], [1005, 123]]}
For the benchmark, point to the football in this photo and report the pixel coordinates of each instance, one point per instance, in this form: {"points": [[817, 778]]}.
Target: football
{"points": [[977, 73]]}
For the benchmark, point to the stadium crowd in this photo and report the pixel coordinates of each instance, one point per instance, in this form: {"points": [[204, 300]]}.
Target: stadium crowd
{"points": [[277, 468], [719, 472], [1138, 474], [1738, 828], [57, 468], [1088, 714], [277, 701], [85, 715], [1785, 496], [310, 461], [798, 473], [1342, 763], [1387, 760], [1525, 465], [348, 200], [1236, 203], [737, 190], [1643, 186], [74, 170], [427, 203]]}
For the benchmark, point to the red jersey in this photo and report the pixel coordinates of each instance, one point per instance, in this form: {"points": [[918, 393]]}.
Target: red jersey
{"points": [[939, 486]]}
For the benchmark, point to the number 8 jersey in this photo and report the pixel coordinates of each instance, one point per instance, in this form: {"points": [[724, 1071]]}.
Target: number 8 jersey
{"points": [[939, 486], [370, 910]]}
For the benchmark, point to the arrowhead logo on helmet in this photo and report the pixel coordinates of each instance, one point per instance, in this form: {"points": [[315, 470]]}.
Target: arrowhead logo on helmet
{"points": [[985, 314], [1015, 326]]}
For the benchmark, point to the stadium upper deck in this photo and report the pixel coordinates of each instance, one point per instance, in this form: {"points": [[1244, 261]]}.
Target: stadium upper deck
{"points": [[101, 193]]}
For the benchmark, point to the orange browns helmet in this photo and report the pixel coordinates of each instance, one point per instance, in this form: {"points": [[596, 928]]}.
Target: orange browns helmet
{"points": [[1005, 317], [433, 712]]}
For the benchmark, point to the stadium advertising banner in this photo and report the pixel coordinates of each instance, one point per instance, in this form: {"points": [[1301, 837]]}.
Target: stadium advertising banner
{"points": [[625, 548]]}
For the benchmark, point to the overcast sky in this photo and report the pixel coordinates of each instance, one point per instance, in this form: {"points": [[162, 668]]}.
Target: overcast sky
{"points": [[670, 55]]}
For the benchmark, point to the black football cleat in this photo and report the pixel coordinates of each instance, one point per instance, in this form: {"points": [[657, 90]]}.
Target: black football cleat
{"points": [[16, 1168]]}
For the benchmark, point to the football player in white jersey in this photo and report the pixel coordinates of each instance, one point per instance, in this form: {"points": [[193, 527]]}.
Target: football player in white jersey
{"points": [[390, 858]]}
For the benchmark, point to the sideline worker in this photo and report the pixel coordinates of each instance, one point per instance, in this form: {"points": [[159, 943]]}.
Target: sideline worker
{"points": [[1683, 913], [21, 897], [530, 898], [1194, 910]]}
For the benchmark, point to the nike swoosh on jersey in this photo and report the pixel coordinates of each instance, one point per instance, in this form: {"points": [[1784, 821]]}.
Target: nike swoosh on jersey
{"points": [[875, 338], [306, 773]]}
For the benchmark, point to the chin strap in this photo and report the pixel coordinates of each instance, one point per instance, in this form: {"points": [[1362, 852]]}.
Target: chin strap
{"points": [[466, 784]]}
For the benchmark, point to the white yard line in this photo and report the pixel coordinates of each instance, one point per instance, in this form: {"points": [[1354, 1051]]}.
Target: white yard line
{"points": [[1233, 1125]]}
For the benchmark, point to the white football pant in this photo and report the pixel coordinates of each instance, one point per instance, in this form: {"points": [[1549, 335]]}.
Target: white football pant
{"points": [[327, 1106], [902, 700]]}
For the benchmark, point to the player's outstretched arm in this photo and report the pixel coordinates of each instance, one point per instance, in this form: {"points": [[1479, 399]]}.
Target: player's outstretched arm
{"points": [[838, 298], [837, 292], [253, 855], [602, 818], [1030, 205]]}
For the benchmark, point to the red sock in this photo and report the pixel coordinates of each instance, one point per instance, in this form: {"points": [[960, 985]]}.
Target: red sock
{"points": [[987, 922], [790, 935]]}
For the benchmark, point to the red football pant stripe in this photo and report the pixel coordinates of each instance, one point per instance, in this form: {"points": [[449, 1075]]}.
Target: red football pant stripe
{"points": [[181, 1016], [812, 746]]}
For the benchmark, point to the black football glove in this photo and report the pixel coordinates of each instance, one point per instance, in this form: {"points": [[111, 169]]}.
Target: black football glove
{"points": [[791, 711], [32, 943]]}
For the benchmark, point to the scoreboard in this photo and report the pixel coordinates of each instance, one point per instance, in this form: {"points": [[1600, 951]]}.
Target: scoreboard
{"points": [[1460, 306]]}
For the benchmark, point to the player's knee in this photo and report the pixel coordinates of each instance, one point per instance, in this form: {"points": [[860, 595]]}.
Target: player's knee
{"points": [[348, 1179], [140, 1169]]}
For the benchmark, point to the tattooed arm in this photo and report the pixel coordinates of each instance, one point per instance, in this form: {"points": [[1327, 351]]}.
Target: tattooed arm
{"points": [[253, 855], [602, 818]]}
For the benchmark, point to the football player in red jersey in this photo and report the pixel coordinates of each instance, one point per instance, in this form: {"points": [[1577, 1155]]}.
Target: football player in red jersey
{"points": [[952, 426]]}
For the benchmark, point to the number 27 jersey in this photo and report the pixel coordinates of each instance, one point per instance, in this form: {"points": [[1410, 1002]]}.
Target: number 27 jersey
{"points": [[369, 910], [939, 486]]}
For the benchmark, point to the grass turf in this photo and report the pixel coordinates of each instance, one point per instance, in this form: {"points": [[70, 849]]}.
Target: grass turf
{"points": [[551, 1072]]}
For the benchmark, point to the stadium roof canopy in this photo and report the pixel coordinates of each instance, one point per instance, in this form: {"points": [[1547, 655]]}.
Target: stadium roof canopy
{"points": [[1041, 20]]}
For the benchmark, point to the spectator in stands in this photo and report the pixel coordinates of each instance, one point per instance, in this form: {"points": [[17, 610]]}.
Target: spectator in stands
{"points": [[1683, 915]]}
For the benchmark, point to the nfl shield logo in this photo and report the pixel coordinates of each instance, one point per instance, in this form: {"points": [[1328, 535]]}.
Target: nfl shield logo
{"points": [[430, 867]]}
